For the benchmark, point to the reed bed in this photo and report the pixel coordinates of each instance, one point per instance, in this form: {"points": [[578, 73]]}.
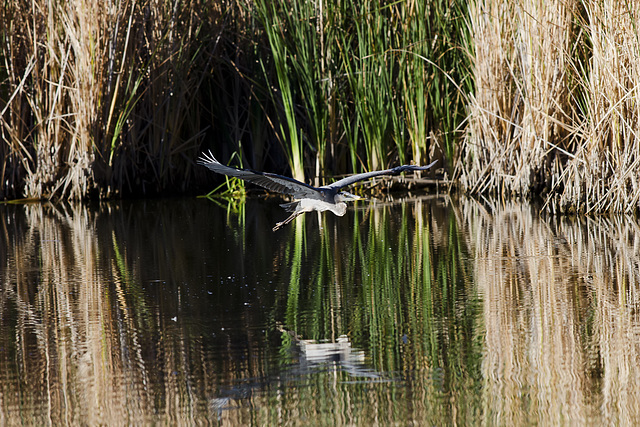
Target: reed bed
{"points": [[604, 174], [102, 99], [554, 112], [525, 98], [99, 98], [361, 85]]}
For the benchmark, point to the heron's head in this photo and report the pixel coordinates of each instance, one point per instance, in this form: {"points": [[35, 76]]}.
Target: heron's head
{"points": [[345, 196]]}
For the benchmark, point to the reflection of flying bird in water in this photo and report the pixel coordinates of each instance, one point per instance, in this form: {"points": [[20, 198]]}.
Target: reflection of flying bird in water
{"points": [[306, 198]]}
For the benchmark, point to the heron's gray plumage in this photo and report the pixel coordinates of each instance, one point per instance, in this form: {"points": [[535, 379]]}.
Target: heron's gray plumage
{"points": [[308, 198]]}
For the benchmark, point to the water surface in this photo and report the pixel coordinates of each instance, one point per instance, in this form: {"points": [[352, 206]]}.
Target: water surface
{"points": [[423, 311]]}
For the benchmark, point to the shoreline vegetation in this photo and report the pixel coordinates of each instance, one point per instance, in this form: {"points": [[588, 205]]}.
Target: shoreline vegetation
{"points": [[517, 99]]}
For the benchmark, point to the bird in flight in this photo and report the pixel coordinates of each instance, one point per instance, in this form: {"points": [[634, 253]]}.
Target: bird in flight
{"points": [[306, 198]]}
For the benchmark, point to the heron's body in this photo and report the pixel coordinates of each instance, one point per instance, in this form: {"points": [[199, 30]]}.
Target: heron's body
{"points": [[307, 198], [299, 207]]}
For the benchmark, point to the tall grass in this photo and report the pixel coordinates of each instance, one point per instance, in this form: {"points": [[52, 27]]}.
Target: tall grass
{"points": [[102, 99], [398, 60], [603, 175], [300, 37], [518, 111]]}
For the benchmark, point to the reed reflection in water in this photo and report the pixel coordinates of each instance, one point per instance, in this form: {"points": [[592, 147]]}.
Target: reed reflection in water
{"points": [[561, 313], [188, 311]]}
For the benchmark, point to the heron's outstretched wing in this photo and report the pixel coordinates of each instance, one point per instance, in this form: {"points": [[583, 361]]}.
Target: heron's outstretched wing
{"points": [[270, 181], [344, 182]]}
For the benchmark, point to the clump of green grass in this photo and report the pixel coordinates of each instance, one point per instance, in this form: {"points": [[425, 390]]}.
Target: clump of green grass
{"points": [[364, 85]]}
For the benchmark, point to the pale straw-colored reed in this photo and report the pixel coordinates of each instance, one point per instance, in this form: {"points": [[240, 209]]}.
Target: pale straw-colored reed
{"points": [[555, 109]]}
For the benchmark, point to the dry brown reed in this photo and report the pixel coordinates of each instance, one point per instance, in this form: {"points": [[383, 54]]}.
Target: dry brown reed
{"points": [[561, 304], [603, 176], [517, 113], [555, 112], [94, 92]]}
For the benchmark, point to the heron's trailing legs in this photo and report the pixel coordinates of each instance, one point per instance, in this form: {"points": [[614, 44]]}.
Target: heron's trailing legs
{"points": [[288, 220]]}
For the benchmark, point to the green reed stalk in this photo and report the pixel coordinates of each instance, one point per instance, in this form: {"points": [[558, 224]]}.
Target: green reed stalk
{"points": [[301, 38], [310, 46], [365, 63], [279, 32]]}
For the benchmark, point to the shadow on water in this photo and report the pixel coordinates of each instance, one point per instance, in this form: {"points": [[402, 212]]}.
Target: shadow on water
{"points": [[187, 311]]}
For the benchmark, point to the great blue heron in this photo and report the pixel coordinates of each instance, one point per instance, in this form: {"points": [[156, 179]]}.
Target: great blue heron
{"points": [[306, 198]]}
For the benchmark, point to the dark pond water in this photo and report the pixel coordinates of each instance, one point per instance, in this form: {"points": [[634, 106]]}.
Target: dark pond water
{"points": [[425, 311]]}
